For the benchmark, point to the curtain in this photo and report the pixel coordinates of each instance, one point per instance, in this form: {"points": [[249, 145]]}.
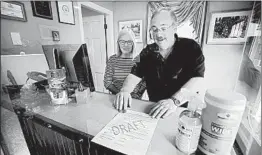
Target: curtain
{"points": [[192, 11]]}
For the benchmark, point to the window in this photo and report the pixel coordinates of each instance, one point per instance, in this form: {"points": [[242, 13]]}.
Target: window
{"points": [[249, 84]]}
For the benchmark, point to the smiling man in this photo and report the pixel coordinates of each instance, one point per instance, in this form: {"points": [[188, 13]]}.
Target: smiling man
{"points": [[169, 64]]}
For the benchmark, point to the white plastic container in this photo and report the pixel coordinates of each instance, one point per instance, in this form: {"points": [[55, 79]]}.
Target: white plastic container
{"points": [[189, 128], [82, 96], [221, 119]]}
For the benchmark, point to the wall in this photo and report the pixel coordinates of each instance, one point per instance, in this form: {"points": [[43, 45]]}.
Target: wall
{"points": [[88, 12], [107, 5], [20, 65], [30, 33], [131, 11], [222, 61], [34, 60]]}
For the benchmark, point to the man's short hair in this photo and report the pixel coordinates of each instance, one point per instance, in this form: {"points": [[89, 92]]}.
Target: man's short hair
{"points": [[167, 9]]}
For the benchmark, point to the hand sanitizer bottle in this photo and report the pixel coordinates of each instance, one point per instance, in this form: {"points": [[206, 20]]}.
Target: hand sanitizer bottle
{"points": [[189, 125]]}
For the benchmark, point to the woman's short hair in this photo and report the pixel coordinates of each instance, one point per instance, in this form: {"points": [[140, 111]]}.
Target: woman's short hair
{"points": [[130, 33]]}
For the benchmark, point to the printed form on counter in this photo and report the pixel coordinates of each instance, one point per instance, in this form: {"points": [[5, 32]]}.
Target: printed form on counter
{"points": [[128, 133]]}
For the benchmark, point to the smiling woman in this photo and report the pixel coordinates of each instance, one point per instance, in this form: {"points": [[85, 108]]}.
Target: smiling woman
{"points": [[120, 64]]}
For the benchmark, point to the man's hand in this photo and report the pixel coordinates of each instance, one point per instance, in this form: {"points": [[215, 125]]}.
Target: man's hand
{"points": [[122, 101], [163, 108]]}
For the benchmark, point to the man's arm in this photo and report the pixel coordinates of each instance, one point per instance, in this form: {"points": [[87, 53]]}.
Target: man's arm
{"points": [[195, 85], [196, 70], [130, 83], [135, 76]]}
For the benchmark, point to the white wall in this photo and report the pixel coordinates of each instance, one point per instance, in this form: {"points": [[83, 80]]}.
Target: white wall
{"points": [[20, 65], [30, 33], [124, 11], [107, 5], [30, 36]]}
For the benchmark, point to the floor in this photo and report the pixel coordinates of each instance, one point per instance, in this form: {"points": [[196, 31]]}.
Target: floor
{"points": [[12, 133]]}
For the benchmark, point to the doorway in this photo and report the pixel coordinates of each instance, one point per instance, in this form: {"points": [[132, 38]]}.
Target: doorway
{"points": [[97, 34]]}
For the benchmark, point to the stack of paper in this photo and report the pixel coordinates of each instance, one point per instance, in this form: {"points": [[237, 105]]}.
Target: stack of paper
{"points": [[129, 133]]}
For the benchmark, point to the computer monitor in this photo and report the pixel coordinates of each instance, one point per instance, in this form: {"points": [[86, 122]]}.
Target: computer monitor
{"points": [[74, 58]]}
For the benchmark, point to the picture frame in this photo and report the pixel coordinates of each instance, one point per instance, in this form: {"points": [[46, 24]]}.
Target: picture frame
{"points": [[55, 35], [42, 9], [65, 11], [13, 11], [228, 27], [134, 25]]}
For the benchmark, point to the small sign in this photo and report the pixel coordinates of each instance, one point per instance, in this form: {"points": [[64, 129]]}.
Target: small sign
{"points": [[16, 39], [56, 36]]}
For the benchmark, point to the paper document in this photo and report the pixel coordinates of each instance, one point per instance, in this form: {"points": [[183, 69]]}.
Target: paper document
{"points": [[16, 39], [129, 133]]}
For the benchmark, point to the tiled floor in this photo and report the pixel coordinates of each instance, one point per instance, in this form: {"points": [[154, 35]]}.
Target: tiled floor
{"points": [[12, 133]]}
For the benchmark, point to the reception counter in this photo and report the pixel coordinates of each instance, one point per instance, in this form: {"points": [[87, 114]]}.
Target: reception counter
{"points": [[68, 129]]}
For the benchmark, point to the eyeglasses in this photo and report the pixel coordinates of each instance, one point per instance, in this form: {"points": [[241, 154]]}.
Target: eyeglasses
{"points": [[162, 29], [123, 42]]}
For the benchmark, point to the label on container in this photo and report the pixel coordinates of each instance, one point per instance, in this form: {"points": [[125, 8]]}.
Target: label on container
{"points": [[188, 136], [219, 130]]}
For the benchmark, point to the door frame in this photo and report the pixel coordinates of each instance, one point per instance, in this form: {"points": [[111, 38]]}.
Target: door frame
{"points": [[110, 22]]}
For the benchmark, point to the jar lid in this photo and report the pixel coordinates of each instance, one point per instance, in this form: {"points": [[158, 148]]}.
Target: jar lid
{"points": [[225, 96]]}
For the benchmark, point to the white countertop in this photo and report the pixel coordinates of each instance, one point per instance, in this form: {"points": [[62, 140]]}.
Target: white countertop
{"points": [[92, 116]]}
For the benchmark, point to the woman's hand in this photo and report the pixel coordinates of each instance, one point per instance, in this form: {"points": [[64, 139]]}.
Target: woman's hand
{"points": [[122, 101], [163, 108]]}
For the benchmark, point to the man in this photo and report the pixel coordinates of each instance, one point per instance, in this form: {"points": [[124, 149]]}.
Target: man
{"points": [[168, 65]]}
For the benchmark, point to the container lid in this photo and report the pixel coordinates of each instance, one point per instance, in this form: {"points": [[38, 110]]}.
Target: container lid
{"points": [[225, 96]]}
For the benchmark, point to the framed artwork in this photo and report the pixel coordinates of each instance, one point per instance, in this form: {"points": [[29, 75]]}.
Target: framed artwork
{"points": [[55, 35], [135, 26], [228, 27], [65, 12], [13, 11], [42, 9]]}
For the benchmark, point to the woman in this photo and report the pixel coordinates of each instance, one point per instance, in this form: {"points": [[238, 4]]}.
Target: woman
{"points": [[120, 64]]}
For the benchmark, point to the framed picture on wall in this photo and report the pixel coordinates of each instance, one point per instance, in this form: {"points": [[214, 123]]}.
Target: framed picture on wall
{"points": [[55, 35], [42, 9], [228, 27], [13, 10], [135, 26], [65, 12]]}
